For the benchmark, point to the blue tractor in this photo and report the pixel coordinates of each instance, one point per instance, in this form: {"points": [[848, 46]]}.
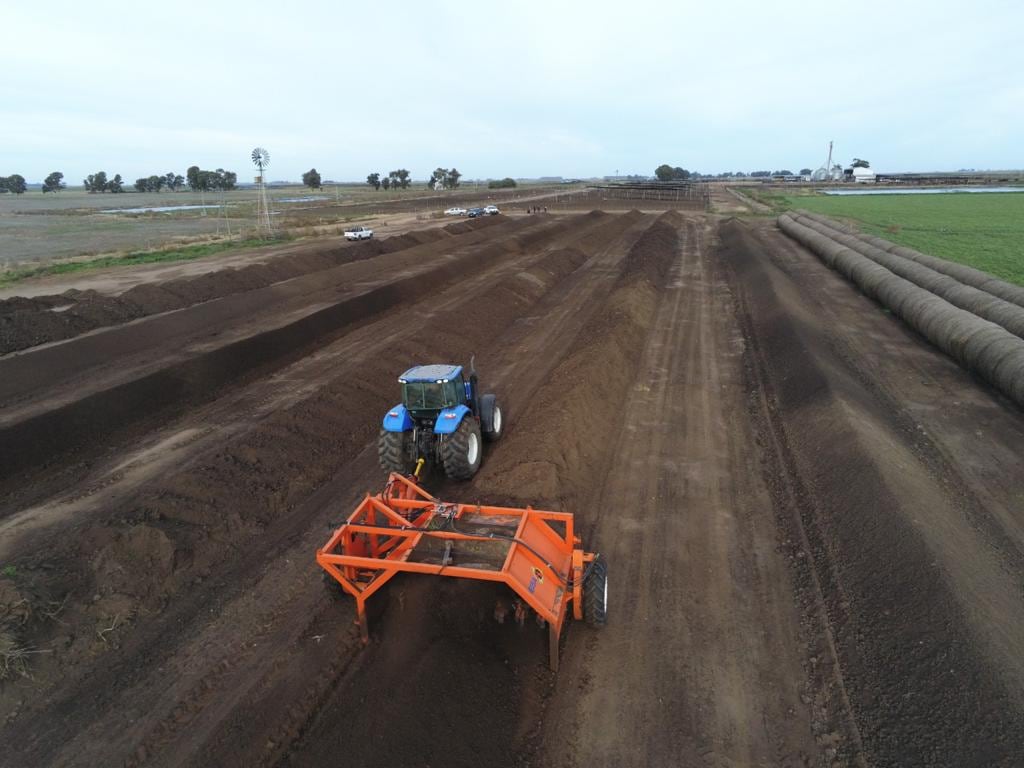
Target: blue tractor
{"points": [[442, 419]]}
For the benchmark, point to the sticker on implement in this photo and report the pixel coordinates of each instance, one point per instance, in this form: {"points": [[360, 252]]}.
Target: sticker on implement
{"points": [[535, 579]]}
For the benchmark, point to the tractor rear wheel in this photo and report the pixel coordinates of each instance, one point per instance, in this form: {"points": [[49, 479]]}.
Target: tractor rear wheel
{"points": [[595, 593], [492, 419], [461, 451], [393, 451]]}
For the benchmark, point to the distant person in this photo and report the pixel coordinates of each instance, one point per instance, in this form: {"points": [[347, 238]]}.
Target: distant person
{"points": [[545, 209]]}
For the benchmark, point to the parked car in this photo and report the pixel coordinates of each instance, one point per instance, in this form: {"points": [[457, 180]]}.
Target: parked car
{"points": [[491, 210], [474, 212], [358, 233], [455, 212]]}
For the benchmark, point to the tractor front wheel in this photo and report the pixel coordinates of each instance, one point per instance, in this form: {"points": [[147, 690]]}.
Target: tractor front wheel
{"points": [[461, 451], [393, 451]]}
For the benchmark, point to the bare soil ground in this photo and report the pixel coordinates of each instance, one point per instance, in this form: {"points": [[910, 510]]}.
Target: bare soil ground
{"points": [[813, 520]]}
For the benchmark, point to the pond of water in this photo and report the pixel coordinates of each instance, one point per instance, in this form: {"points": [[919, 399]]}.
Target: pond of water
{"points": [[159, 209]]}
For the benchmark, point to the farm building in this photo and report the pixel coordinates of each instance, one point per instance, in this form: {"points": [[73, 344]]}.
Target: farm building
{"points": [[864, 176]]}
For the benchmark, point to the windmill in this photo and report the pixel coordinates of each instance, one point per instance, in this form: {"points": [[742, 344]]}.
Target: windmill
{"points": [[261, 159]]}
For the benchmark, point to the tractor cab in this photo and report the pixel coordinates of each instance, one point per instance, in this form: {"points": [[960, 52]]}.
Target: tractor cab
{"points": [[427, 390]]}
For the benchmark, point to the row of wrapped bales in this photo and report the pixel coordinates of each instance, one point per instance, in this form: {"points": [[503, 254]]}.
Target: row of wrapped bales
{"points": [[981, 303], [975, 278], [983, 347]]}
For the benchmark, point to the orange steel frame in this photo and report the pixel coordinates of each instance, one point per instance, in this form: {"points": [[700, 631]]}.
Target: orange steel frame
{"points": [[544, 568]]}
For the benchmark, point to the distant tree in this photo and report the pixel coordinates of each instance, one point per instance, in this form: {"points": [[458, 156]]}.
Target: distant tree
{"points": [[96, 182], [805, 171], [506, 183], [15, 184], [386, 183], [116, 184], [54, 182], [401, 176], [760, 174], [858, 163], [173, 181], [141, 184], [311, 179], [437, 178], [442, 178], [392, 178], [207, 181], [665, 172], [373, 180], [226, 180]]}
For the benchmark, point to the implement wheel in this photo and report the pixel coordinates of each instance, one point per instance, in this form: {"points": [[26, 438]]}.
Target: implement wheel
{"points": [[393, 451], [595, 593], [461, 451]]}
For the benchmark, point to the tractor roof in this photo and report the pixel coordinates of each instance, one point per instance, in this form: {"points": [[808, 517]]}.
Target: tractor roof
{"points": [[431, 373]]}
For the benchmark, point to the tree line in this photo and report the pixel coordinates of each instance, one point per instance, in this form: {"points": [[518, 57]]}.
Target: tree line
{"points": [[173, 181], [665, 172], [98, 182], [394, 180], [197, 179]]}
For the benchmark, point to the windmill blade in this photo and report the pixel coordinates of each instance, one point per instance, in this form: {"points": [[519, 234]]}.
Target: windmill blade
{"points": [[260, 157]]}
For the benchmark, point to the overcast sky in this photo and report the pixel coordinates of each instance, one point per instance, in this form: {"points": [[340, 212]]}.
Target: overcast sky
{"points": [[518, 89]]}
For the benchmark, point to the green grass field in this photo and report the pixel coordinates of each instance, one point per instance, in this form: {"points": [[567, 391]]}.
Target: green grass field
{"points": [[185, 253], [985, 231]]}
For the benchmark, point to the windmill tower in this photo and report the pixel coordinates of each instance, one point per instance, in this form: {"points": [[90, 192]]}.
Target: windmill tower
{"points": [[261, 159]]}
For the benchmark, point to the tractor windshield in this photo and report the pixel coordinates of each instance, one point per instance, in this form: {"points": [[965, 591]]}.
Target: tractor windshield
{"points": [[427, 396]]}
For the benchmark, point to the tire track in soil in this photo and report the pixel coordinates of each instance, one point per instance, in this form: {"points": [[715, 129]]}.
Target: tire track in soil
{"points": [[465, 689], [700, 663], [925, 657], [789, 499], [233, 576]]}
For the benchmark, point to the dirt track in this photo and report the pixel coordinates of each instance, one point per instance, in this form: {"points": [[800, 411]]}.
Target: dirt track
{"points": [[813, 519]]}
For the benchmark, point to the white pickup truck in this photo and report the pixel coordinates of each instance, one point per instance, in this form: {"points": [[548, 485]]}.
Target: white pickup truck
{"points": [[358, 233]]}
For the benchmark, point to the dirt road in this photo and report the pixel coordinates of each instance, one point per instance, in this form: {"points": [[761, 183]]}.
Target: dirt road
{"points": [[813, 520]]}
